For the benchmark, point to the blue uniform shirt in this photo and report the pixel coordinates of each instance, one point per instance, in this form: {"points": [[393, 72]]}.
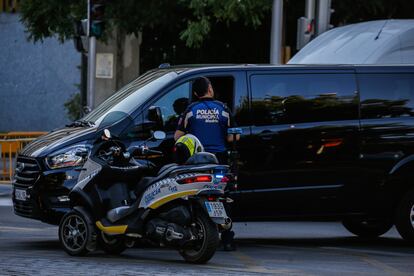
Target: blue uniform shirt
{"points": [[208, 120]]}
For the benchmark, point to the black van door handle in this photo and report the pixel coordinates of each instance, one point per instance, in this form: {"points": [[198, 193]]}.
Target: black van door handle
{"points": [[266, 135]]}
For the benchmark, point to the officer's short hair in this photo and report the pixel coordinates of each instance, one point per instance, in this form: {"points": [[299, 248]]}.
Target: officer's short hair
{"points": [[200, 86]]}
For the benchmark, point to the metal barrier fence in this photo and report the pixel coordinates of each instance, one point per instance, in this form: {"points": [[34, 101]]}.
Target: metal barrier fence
{"points": [[10, 144]]}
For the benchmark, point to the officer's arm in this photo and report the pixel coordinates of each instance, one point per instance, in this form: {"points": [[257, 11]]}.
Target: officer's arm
{"points": [[231, 123], [181, 127], [230, 137], [178, 134]]}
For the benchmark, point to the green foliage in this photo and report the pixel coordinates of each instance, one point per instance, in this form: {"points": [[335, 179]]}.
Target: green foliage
{"points": [[46, 18], [74, 107], [206, 12]]}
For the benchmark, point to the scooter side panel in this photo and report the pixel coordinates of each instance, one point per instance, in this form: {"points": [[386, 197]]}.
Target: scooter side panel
{"points": [[89, 170], [168, 189]]}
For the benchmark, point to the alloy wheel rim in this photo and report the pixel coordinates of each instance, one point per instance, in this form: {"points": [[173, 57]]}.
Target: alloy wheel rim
{"points": [[74, 232]]}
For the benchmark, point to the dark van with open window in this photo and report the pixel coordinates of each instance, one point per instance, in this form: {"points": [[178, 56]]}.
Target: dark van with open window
{"points": [[319, 142]]}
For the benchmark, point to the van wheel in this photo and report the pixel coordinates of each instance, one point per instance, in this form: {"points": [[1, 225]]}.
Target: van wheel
{"points": [[367, 228], [404, 218]]}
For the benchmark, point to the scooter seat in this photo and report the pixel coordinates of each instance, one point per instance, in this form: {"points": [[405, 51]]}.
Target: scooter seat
{"points": [[166, 168], [202, 158]]}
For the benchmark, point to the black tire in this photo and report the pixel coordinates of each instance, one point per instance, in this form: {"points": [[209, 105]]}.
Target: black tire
{"points": [[404, 217], [365, 228], [113, 245], [208, 242], [76, 233]]}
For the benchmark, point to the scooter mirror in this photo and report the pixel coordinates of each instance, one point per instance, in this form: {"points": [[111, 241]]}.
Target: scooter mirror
{"points": [[107, 134], [159, 135]]}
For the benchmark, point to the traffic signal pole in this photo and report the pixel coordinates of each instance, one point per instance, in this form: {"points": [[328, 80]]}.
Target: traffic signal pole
{"points": [[276, 32], [91, 62], [310, 9], [91, 72], [323, 16]]}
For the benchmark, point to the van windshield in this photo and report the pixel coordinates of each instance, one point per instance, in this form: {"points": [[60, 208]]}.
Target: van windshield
{"points": [[132, 95]]}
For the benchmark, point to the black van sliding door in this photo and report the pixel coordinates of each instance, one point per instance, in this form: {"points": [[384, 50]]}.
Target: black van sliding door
{"points": [[303, 144]]}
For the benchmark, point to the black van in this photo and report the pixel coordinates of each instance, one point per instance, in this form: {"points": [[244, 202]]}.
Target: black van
{"points": [[319, 142]]}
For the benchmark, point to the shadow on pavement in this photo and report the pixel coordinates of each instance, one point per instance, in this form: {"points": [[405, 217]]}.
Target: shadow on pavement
{"points": [[328, 242]]}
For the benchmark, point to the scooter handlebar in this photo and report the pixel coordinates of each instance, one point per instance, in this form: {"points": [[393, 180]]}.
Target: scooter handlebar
{"points": [[152, 152], [145, 151]]}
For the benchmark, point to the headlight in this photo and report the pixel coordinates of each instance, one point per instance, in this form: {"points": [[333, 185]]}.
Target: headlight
{"points": [[68, 157]]}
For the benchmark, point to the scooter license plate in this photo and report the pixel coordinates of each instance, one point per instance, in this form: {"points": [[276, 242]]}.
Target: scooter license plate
{"points": [[20, 194], [215, 209]]}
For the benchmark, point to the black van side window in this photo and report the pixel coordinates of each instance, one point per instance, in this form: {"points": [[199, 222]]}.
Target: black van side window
{"points": [[223, 87], [386, 95], [173, 104], [301, 98]]}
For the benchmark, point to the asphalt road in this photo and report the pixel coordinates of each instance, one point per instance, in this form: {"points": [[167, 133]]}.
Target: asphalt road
{"points": [[28, 247]]}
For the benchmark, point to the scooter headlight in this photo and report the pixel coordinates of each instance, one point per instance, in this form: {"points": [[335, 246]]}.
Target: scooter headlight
{"points": [[72, 156]]}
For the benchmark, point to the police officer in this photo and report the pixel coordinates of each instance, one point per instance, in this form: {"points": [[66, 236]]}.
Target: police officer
{"points": [[208, 120]]}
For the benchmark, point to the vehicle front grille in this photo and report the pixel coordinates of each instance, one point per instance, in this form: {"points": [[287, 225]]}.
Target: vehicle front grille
{"points": [[23, 208], [26, 173]]}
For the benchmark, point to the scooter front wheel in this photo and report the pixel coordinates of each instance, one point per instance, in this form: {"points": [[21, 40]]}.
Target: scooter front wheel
{"points": [[207, 240], [75, 232]]}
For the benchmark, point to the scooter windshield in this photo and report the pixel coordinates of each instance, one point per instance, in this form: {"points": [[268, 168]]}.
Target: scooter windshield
{"points": [[115, 122]]}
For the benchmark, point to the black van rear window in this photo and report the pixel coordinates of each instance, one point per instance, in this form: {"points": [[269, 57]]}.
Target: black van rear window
{"points": [[386, 95]]}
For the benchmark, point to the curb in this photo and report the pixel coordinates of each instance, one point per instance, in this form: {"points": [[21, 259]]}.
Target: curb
{"points": [[5, 190], [6, 194]]}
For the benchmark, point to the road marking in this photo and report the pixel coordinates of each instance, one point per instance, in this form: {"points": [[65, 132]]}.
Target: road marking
{"points": [[249, 262], [384, 267], [6, 202], [252, 266], [368, 259]]}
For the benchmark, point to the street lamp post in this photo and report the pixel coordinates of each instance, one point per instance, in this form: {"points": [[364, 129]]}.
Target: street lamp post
{"points": [[276, 32], [91, 62]]}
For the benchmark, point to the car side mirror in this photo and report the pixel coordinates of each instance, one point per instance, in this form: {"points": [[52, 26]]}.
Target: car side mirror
{"points": [[159, 135], [155, 115]]}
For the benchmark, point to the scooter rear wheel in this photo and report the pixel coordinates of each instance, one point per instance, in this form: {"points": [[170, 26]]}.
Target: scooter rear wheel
{"points": [[75, 233], [207, 241]]}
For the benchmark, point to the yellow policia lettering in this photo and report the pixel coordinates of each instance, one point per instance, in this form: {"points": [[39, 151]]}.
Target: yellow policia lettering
{"points": [[119, 229], [169, 198]]}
